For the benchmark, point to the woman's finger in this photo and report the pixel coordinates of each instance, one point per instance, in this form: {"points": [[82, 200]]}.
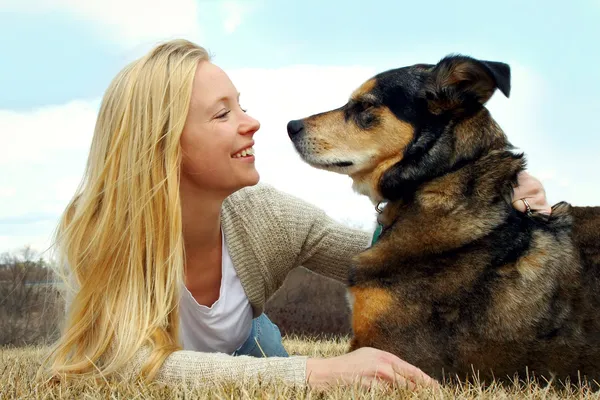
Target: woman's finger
{"points": [[413, 374]]}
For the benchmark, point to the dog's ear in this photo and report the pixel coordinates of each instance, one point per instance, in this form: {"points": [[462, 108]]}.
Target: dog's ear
{"points": [[459, 82]]}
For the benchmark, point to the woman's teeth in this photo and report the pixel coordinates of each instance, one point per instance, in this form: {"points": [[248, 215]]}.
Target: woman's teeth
{"points": [[246, 152]]}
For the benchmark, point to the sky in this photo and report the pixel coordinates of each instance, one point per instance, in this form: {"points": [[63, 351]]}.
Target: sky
{"points": [[288, 59]]}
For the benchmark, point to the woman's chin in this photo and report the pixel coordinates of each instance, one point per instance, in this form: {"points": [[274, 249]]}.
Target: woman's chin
{"points": [[255, 179], [250, 179]]}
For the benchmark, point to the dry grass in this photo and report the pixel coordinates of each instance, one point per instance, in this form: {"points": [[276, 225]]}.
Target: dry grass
{"points": [[18, 366]]}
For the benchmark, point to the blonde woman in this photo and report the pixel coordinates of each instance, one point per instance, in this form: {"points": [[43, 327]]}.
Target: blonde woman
{"points": [[172, 247]]}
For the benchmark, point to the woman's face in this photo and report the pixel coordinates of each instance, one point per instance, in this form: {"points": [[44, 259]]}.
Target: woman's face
{"points": [[218, 135]]}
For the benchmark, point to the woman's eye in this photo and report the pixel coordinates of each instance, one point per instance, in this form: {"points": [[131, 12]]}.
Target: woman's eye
{"points": [[223, 114]]}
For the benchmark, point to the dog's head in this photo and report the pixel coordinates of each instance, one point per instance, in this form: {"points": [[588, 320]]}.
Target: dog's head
{"points": [[406, 125]]}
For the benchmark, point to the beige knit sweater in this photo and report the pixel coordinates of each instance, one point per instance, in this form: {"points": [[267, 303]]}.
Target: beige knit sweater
{"points": [[268, 233]]}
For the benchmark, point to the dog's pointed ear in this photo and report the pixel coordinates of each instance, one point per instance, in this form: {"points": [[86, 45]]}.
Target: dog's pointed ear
{"points": [[458, 82]]}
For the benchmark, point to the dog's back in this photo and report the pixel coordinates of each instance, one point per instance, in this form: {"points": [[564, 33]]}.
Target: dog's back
{"points": [[586, 239]]}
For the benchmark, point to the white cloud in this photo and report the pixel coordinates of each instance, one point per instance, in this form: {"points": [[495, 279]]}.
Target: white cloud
{"points": [[35, 136], [234, 12], [45, 149], [7, 192], [233, 17], [129, 23], [44, 153], [14, 243]]}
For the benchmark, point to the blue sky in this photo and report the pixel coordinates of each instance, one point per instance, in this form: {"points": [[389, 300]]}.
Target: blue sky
{"points": [[59, 56]]}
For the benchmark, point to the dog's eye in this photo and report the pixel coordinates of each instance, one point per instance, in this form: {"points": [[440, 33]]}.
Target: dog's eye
{"points": [[366, 117], [366, 107]]}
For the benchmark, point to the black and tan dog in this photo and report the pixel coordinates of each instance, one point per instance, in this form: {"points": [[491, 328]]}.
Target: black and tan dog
{"points": [[459, 281]]}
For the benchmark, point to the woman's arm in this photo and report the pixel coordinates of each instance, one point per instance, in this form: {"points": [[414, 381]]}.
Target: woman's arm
{"points": [[197, 368], [363, 366], [316, 240]]}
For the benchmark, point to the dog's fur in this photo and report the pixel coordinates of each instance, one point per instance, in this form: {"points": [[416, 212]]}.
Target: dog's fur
{"points": [[459, 281]]}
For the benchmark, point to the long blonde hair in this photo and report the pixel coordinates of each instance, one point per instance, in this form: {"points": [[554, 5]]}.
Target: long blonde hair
{"points": [[121, 235]]}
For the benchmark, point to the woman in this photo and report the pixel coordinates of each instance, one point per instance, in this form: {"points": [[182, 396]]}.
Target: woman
{"points": [[173, 247]]}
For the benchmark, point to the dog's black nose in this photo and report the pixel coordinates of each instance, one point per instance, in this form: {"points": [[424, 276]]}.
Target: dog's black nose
{"points": [[294, 127]]}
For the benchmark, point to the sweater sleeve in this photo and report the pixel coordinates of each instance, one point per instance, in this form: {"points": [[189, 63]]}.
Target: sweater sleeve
{"points": [[191, 368], [321, 244]]}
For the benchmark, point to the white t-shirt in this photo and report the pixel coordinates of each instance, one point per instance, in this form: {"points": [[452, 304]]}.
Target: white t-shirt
{"points": [[224, 326]]}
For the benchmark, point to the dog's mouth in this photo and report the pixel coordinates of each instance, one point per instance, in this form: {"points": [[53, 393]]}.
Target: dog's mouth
{"points": [[341, 164], [339, 161], [343, 167]]}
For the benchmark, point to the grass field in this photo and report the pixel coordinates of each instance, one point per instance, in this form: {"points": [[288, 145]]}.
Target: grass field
{"points": [[18, 366]]}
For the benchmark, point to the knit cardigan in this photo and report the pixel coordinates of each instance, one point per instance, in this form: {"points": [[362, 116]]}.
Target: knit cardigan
{"points": [[268, 233]]}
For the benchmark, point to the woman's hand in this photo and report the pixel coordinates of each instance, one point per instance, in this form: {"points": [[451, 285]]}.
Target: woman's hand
{"points": [[530, 189], [366, 365]]}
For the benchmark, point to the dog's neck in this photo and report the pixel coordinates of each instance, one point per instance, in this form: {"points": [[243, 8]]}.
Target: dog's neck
{"points": [[469, 202], [367, 183]]}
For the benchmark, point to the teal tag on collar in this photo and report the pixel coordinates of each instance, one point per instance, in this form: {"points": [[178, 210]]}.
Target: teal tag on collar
{"points": [[376, 234]]}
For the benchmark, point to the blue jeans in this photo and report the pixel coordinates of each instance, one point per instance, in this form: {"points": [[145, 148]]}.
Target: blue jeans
{"points": [[266, 334]]}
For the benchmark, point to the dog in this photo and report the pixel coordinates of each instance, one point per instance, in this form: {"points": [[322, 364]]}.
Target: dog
{"points": [[459, 283]]}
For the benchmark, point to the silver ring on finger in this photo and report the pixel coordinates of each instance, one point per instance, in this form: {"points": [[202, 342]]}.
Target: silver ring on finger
{"points": [[527, 207]]}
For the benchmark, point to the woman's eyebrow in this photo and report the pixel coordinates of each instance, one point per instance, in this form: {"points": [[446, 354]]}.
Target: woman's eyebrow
{"points": [[224, 99]]}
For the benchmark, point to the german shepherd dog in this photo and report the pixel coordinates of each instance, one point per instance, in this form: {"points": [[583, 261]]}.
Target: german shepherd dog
{"points": [[459, 283]]}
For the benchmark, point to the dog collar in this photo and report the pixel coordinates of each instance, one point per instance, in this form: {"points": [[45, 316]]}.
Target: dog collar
{"points": [[377, 233], [379, 228]]}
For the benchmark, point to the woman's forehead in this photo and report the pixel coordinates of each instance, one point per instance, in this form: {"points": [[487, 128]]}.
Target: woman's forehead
{"points": [[211, 85]]}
